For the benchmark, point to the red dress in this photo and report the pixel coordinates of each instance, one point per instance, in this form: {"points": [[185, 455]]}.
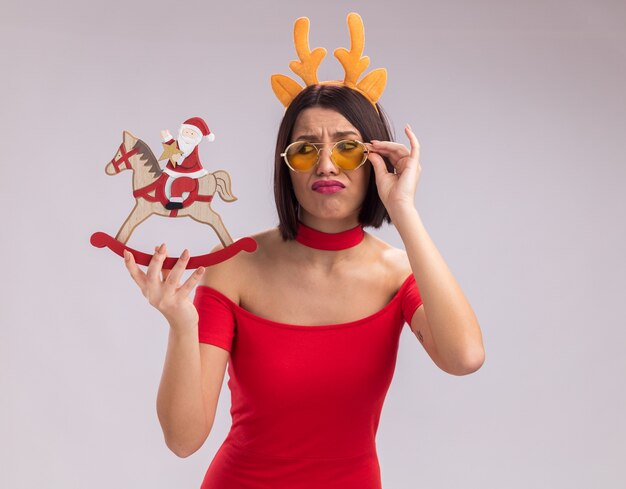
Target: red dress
{"points": [[305, 400]]}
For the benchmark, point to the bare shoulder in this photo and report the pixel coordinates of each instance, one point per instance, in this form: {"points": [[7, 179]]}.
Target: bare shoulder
{"points": [[230, 277], [395, 260]]}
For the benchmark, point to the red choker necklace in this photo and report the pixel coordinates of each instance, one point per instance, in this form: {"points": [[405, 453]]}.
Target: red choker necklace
{"points": [[329, 241]]}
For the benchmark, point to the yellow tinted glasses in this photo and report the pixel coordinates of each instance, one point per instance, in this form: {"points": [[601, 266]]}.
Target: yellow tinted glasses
{"points": [[347, 154]]}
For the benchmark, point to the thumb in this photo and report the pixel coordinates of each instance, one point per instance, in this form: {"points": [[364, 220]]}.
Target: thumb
{"points": [[380, 168]]}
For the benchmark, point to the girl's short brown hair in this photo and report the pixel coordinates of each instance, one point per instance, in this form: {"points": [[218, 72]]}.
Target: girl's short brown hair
{"points": [[360, 112]]}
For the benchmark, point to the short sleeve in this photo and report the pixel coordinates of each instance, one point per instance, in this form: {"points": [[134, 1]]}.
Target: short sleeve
{"points": [[216, 321], [411, 299]]}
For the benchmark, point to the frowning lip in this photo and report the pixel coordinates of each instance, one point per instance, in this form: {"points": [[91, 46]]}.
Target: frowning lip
{"points": [[327, 183]]}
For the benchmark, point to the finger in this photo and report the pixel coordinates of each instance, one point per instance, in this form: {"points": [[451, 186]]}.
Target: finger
{"points": [[177, 270], [135, 272], [415, 144], [388, 148], [388, 145], [164, 271], [191, 282], [156, 263], [391, 158], [380, 168]]}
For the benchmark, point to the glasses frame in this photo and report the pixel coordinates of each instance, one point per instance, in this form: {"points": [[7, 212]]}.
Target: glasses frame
{"points": [[318, 147]]}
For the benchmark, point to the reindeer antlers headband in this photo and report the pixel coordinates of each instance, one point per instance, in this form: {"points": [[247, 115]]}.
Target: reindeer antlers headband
{"points": [[371, 86]]}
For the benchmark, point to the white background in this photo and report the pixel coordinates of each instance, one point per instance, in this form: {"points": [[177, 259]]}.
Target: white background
{"points": [[520, 109]]}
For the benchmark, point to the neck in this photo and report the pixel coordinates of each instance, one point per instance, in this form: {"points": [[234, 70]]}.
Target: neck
{"points": [[328, 225]]}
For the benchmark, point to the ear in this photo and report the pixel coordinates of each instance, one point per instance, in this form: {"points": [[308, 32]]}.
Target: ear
{"points": [[129, 139], [285, 88]]}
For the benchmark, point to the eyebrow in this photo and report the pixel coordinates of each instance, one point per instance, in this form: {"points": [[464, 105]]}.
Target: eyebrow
{"points": [[338, 134]]}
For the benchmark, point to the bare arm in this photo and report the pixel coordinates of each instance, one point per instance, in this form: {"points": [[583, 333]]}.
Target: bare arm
{"points": [[446, 325], [180, 401], [447, 321]]}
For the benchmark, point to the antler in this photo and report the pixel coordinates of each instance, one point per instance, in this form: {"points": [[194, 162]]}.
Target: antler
{"points": [[352, 62], [373, 84], [285, 87], [310, 61]]}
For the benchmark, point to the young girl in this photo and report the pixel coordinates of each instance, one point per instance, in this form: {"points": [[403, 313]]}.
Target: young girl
{"points": [[309, 324]]}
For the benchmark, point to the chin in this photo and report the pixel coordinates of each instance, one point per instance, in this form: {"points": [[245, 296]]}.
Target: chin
{"points": [[331, 214]]}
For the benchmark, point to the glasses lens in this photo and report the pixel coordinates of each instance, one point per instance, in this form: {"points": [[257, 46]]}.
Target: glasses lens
{"points": [[301, 156], [349, 154]]}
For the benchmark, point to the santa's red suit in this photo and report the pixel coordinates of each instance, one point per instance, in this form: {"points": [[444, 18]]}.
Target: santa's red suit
{"points": [[188, 168], [182, 176]]}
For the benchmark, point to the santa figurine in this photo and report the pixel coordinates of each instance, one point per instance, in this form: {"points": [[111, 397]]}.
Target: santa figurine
{"points": [[184, 168]]}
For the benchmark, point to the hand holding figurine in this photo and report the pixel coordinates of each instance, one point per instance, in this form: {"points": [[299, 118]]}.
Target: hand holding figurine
{"points": [[162, 287]]}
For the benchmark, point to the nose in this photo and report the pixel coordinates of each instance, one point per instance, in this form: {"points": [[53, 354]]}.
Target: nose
{"points": [[325, 165]]}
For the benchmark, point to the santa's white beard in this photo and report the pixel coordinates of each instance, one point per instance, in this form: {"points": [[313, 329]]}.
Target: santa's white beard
{"points": [[186, 144]]}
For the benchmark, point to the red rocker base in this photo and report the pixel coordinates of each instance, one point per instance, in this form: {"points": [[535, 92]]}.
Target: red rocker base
{"points": [[103, 240]]}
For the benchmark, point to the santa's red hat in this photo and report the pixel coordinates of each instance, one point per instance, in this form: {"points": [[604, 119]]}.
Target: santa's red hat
{"points": [[198, 125]]}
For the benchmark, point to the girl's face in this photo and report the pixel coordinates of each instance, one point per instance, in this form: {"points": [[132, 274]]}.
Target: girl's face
{"points": [[340, 202]]}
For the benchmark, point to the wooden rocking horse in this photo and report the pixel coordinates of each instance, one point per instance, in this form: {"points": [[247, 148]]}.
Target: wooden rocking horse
{"points": [[149, 190]]}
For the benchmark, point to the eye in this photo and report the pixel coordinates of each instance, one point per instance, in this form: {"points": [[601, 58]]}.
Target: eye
{"points": [[347, 145], [304, 148]]}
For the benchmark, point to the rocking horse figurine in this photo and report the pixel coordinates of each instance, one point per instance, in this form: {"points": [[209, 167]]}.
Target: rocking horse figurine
{"points": [[182, 188]]}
